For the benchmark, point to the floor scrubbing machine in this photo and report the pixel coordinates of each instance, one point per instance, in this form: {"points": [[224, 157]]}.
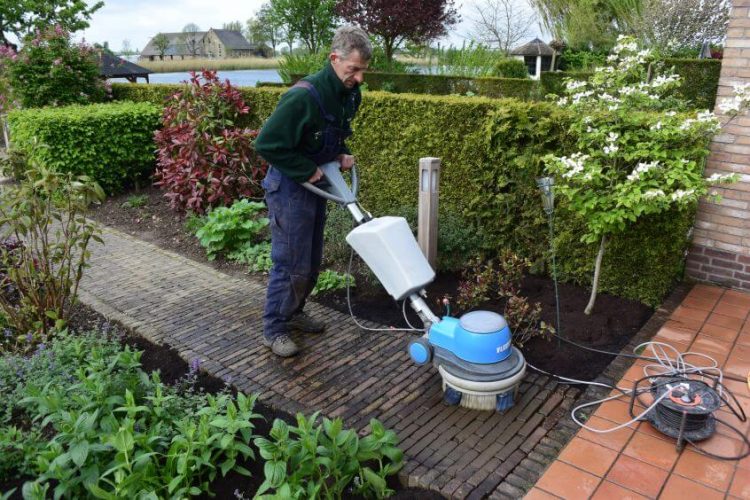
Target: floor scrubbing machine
{"points": [[474, 355]]}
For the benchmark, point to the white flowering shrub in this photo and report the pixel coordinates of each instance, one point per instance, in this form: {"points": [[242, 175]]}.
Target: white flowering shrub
{"points": [[638, 154]]}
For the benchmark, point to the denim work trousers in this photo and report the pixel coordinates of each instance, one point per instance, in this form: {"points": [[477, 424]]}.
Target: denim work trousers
{"points": [[297, 218]]}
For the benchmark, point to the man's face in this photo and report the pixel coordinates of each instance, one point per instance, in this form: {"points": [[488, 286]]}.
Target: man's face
{"points": [[351, 71]]}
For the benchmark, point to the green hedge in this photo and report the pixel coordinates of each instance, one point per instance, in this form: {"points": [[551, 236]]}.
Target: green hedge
{"points": [[700, 80], [112, 143], [490, 151], [401, 83]]}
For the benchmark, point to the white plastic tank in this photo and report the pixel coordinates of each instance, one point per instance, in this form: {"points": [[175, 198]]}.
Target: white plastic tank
{"points": [[389, 249]]}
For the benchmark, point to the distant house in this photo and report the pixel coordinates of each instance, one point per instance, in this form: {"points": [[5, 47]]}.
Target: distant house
{"points": [[537, 56], [218, 44], [225, 44]]}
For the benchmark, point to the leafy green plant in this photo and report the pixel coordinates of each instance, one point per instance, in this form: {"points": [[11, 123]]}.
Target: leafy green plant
{"points": [[193, 222], [118, 432], [52, 70], [135, 201], [510, 68], [256, 256], [472, 60], [314, 460], [331, 280], [622, 170], [300, 64], [46, 212], [228, 229]]}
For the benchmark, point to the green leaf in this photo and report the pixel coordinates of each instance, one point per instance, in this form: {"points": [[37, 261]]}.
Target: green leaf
{"points": [[79, 452]]}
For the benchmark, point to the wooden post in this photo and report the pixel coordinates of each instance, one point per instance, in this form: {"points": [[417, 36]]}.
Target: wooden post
{"points": [[427, 232], [6, 135]]}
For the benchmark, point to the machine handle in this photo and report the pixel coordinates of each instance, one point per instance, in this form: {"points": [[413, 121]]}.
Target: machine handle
{"points": [[332, 174]]}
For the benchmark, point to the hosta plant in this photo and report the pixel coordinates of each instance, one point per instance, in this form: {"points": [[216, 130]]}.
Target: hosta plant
{"points": [[228, 229], [636, 153], [330, 280], [204, 158]]}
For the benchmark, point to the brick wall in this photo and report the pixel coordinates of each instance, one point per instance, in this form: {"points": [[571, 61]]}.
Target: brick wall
{"points": [[721, 239]]}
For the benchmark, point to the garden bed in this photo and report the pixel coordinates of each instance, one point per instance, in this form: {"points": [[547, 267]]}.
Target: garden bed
{"points": [[173, 370], [610, 327]]}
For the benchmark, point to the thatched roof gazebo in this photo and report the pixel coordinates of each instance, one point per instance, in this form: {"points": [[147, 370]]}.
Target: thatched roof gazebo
{"points": [[111, 66], [537, 55]]}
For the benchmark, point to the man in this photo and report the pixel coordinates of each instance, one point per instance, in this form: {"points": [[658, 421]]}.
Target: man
{"points": [[306, 130]]}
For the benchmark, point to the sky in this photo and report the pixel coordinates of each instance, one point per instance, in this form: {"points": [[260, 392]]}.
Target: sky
{"points": [[139, 20]]}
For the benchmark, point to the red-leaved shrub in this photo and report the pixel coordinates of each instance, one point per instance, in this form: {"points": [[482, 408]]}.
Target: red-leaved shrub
{"points": [[204, 158]]}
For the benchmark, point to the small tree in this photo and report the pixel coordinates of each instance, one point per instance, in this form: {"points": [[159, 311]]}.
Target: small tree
{"points": [[190, 40], [161, 43], [23, 17], [636, 155], [312, 21], [501, 23], [395, 21], [51, 70], [675, 24]]}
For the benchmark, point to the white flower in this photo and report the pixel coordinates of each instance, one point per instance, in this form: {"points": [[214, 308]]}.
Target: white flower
{"points": [[613, 107], [642, 168], [730, 106], [717, 178], [611, 149], [671, 113], [613, 136], [656, 126], [587, 119], [687, 124], [612, 58], [644, 53], [574, 164], [706, 116], [627, 90], [653, 193], [562, 102], [680, 194], [662, 80], [589, 129], [572, 85], [581, 95]]}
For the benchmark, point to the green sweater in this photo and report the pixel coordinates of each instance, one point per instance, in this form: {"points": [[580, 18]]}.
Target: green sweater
{"points": [[295, 127]]}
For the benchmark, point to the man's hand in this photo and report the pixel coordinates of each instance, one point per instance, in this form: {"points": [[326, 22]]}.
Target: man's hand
{"points": [[316, 176], [346, 161]]}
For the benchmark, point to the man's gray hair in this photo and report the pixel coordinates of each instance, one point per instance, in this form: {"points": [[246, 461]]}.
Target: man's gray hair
{"points": [[350, 38]]}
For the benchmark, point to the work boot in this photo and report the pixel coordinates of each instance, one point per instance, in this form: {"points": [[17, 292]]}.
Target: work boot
{"points": [[282, 346], [305, 323]]}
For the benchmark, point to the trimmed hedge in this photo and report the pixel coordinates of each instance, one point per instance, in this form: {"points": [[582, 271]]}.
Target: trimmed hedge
{"points": [[490, 151], [700, 80], [111, 143], [401, 83]]}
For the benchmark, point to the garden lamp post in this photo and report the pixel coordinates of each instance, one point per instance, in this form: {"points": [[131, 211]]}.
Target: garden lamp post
{"points": [[546, 186]]}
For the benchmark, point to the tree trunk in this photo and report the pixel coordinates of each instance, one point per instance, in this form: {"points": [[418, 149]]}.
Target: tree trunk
{"points": [[554, 57], [597, 270]]}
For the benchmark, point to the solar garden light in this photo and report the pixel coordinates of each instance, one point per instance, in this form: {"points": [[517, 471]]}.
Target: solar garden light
{"points": [[546, 186]]}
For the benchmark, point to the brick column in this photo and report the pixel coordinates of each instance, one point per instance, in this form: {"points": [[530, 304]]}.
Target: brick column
{"points": [[721, 240]]}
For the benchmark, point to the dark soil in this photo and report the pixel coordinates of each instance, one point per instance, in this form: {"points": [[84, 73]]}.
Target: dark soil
{"points": [[172, 368], [609, 328]]}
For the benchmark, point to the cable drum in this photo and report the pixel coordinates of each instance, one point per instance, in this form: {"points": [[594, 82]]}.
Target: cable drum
{"points": [[685, 408]]}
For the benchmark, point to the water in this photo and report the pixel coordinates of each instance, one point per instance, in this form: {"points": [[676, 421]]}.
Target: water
{"points": [[239, 78]]}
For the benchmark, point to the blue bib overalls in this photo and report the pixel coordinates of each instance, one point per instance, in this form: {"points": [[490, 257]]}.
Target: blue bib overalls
{"points": [[297, 218]]}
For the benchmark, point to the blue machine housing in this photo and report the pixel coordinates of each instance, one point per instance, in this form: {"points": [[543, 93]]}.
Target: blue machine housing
{"points": [[481, 337]]}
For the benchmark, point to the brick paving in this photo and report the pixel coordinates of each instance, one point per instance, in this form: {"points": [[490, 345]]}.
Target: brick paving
{"points": [[639, 462], [347, 372]]}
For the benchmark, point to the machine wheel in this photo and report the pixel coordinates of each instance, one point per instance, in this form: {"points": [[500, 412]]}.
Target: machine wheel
{"points": [[420, 351], [451, 396]]}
